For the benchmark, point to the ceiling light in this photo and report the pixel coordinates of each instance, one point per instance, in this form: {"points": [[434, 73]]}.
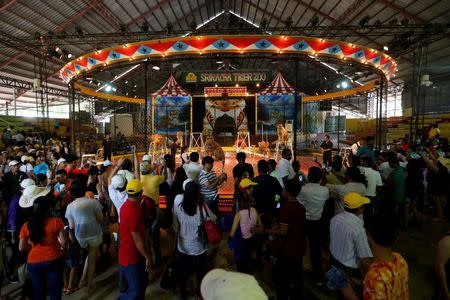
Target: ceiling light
{"points": [[70, 55], [108, 88], [98, 84], [90, 81], [237, 84], [216, 85], [156, 68], [344, 84], [386, 48], [126, 82], [114, 89], [219, 62], [257, 84]]}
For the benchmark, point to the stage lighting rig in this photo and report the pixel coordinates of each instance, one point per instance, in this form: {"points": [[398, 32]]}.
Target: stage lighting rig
{"points": [[404, 22], [144, 26], [169, 28], [315, 21], [289, 22], [393, 22], [193, 25], [377, 23], [364, 21], [264, 23], [79, 31]]}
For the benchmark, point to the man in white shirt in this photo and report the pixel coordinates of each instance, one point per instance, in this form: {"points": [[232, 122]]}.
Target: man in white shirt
{"points": [[193, 168], [313, 197], [26, 167], [285, 170], [349, 247], [373, 177], [116, 188], [355, 147]]}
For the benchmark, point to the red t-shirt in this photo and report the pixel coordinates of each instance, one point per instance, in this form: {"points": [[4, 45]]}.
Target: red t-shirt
{"points": [[294, 243], [131, 220]]}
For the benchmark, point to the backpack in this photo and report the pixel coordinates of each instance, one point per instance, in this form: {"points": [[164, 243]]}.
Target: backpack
{"points": [[148, 210]]}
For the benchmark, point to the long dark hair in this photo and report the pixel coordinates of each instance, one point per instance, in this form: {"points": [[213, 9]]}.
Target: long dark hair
{"points": [[37, 220], [191, 198]]}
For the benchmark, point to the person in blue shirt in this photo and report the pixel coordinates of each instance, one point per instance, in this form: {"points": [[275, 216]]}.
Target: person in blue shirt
{"points": [[367, 149], [41, 167]]}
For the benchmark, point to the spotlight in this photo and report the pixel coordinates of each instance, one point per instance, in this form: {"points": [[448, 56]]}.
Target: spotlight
{"points": [[144, 26], [364, 21], [114, 89], [315, 21], [338, 86], [70, 55], [385, 48], [156, 68], [193, 25], [264, 23], [237, 84], [126, 82], [289, 22], [257, 85], [393, 22], [98, 84], [90, 81], [79, 31], [57, 49], [344, 84], [108, 88], [216, 85], [169, 28]]}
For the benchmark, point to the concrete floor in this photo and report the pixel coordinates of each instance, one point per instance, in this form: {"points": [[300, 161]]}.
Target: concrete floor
{"points": [[417, 245]]}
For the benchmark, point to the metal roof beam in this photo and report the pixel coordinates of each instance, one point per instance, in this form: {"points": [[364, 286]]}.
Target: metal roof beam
{"points": [[4, 7], [401, 10], [148, 12]]}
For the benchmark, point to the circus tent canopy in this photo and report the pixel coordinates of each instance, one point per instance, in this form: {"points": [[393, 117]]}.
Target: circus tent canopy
{"points": [[171, 88], [278, 86]]}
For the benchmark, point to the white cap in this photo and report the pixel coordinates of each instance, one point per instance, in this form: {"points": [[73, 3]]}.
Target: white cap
{"points": [[146, 157], [219, 284], [13, 163], [118, 181], [61, 160], [27, 182], [30, 194], [107, 163], [24, 158], [186, 182], [185, 156]]}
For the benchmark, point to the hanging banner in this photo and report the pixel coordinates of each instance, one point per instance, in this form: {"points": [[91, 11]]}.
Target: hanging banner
{"points": [[225, 77], [230, 91]]}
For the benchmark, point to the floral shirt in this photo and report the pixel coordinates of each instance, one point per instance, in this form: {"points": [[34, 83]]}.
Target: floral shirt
{"points": [[387, 280]]}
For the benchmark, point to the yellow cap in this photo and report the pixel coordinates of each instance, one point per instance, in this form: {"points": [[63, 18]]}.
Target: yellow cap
{"points": [[30, 159], [354, 200], [37, 146], [134, 186], [246, 183], [16, 148]]}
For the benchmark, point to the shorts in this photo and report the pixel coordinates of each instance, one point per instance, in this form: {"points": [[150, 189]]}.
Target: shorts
{"points": [[337, 279], [93, 241]]}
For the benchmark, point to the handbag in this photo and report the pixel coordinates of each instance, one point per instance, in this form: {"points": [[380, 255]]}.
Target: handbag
{"points": [[211, 229]]}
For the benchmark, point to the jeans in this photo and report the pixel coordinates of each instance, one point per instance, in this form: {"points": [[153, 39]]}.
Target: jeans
{"points": [[313, 231], [155, 236], [53, 271], [288, 277], [188, 263], [135, 279]]}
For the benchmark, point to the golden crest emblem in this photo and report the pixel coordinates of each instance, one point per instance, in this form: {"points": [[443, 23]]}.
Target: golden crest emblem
{"points": [[191, 77]]}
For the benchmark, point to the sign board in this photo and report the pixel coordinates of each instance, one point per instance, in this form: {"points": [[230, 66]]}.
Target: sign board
{"points": [[208, 77], [230, 91]]}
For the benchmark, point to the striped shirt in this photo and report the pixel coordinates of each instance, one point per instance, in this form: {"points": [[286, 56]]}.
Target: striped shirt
{"points": [[205, 177], [348, 239]]}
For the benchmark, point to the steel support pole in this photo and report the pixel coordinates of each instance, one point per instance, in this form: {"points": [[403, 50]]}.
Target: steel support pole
{"points": [[294, 129], [72, 117], [146, 104], [15, 99]]}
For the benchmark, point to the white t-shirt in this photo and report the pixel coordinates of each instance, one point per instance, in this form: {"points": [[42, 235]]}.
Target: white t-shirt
{"points": [[340, 190], [83, 213], [117, 198], [355, 148], [193, 170], [313, 197], [385, 170], [128, 175], [187, 228], [373, 180], [285, 169], [26, 168]]}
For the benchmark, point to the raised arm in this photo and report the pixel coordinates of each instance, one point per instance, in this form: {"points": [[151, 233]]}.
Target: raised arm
{"points": [[115, 170]]}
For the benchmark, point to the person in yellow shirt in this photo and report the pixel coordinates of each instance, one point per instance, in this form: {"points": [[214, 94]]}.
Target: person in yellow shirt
{"points": [[387, 277], [150, 187]]}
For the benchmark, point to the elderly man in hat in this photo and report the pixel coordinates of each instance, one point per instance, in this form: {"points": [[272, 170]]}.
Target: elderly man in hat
{"points": [[349, 247]]}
